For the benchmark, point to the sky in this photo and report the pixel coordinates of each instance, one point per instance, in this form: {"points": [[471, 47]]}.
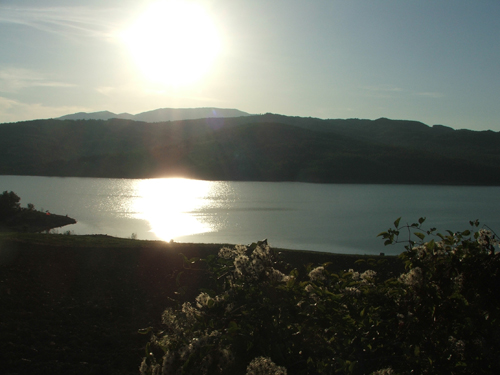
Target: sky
{"points": [[436, 61]]}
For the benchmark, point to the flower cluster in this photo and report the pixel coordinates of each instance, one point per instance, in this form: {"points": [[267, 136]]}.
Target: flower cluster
{"points": [[385, 371], [354, 274], [253, 264], [413, 278], [368, 276], [352, 291], [317, 274], [203, 300], [264, 366], [487, 238], [193, 345]]}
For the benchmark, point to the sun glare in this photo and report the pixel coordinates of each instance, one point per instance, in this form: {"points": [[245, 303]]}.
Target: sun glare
{"points": [[168, 204], [173, 42]]}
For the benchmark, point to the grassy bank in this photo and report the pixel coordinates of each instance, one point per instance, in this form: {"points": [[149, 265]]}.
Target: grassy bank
{"points": [[74, 304]]}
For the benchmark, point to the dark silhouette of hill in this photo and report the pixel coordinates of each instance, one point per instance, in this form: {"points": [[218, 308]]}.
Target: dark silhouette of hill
{"points": [[264, 148], [159, 115], [102, 115]]}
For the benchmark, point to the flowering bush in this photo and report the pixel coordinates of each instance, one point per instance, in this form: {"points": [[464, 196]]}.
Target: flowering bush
{"points": [[258, 317], [447, 301]]}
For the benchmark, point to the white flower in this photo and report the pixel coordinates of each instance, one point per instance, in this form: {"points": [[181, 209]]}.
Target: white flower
{"points": [[264, 366], [355, 275], [412, 278], [240, 249], [262, 253], [168, 362], [143, 368], [276, 276], [256, 266], [420, 250], [367, 275], [230, 307], [202, 300], [385, 371], [309, 288], [317, 274], [352, 291], [486, 237], [168, 317], [241, 264], [228, 253], [190, 311]]}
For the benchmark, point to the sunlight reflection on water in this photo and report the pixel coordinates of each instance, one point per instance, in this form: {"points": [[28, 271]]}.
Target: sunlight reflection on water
{"points": [[173, 206]]}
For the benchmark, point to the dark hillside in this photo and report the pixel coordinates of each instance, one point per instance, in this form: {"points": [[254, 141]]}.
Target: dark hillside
{"points": [[264, 148], [481, 146]]}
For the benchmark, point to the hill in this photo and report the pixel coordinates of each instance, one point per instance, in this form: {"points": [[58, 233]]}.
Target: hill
{"points": [[159, 115], [258, 147]]}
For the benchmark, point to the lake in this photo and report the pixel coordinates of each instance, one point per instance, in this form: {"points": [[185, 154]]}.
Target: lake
{"points": [[338, 218]]}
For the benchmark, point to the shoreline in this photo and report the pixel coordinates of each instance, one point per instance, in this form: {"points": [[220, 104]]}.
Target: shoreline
{"points": [[368, 182]]}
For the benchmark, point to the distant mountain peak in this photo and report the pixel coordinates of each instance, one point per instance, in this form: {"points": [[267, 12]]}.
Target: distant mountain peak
{"points": [[101, 115], [160, 114]]}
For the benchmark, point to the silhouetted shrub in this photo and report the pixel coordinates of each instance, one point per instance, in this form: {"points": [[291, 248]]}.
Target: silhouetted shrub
{"points": [[440, 316], [9, 204]]}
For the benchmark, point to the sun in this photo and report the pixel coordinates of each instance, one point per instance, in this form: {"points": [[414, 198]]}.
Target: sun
{"points": [[173, 42]]}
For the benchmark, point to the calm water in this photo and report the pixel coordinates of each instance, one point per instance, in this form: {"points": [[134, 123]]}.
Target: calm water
{"points": [[321, 217]]}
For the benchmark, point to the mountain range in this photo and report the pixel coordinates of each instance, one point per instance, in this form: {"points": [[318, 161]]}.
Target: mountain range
{"points": [[267, 147], [159, 115]]}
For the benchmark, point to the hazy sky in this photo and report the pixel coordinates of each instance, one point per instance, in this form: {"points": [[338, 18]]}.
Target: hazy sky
{"points": [[433, 61]]}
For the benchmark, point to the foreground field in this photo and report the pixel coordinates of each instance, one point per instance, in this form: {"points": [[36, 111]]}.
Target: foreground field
{"points": [[74, 304]]}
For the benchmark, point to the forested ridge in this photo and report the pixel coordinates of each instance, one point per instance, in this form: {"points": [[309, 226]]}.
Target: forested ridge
{"points": [[261, 148]]}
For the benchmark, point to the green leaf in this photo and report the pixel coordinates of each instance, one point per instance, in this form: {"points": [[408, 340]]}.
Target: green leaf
{"points": [[233, 327], [419, 235], [431, 245], [145, 331], [396, 222], [417, 350], [421, 220], [178, 278], [351, 367]]}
